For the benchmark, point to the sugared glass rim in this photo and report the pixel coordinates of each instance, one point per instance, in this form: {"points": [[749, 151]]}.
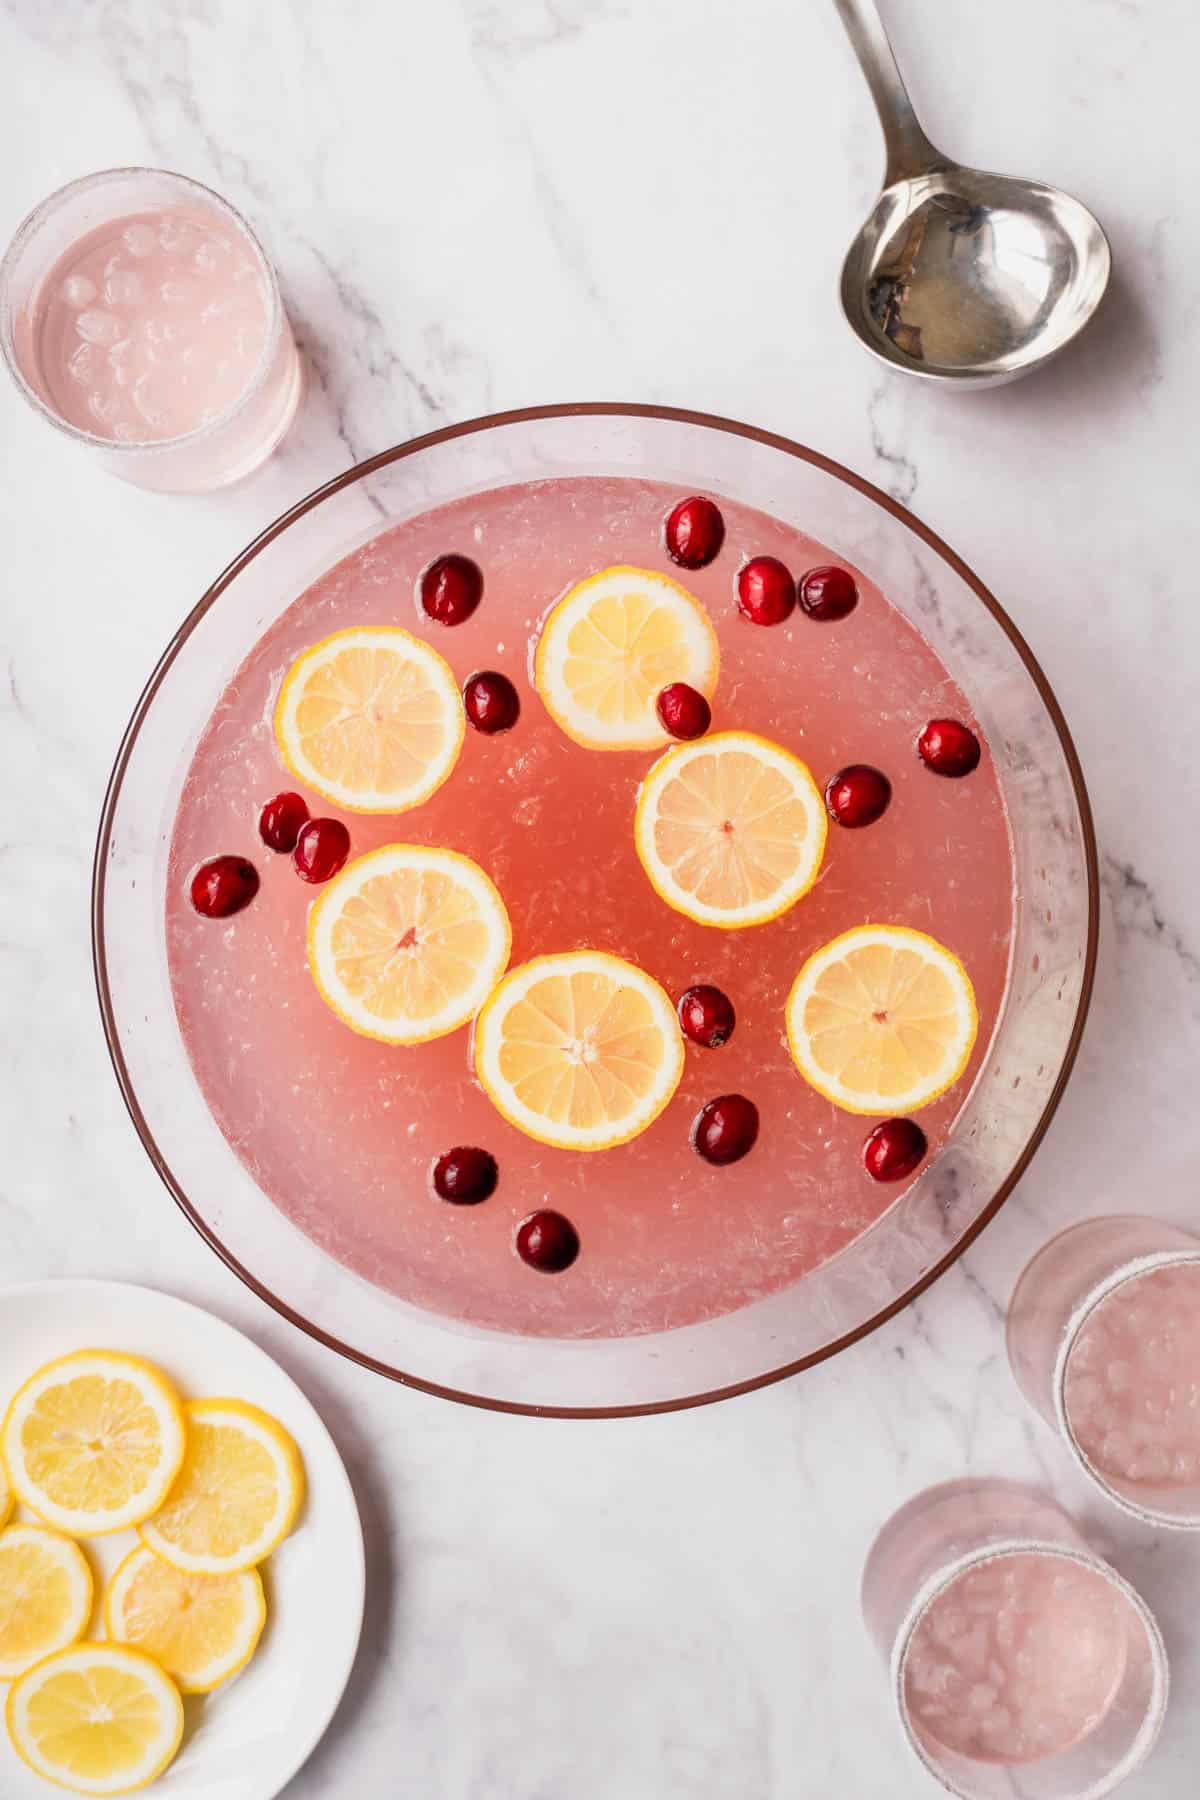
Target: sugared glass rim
{"points": [[360, 472], [942, 1578], [33, 222]]}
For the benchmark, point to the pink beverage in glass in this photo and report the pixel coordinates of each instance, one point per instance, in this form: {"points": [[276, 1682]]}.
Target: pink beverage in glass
{"points": [[1132, 1392], [1019, 1657], [342, 1132], [141, 314], [1012, 1647], [1104, 1340], [151, 326]]}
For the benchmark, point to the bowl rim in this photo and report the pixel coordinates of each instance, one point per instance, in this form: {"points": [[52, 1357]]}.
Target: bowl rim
{"points": [[383, 459]]}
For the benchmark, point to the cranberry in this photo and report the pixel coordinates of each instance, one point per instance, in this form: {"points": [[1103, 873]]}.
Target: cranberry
{"points": [[547, 1241], [682, 711], [465, 1176], [858, 795], [706, 1016], [451, 589], [321, 849], [223, 886], [949, 748], [828, 593], [766, 592], [491, 702], [894, 1149], [695, 532], [280, 821], [725, 1129]]}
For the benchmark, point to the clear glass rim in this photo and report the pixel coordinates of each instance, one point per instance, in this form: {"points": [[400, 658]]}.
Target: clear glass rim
{"points": [[116, 446], [1133, 1270], [362, 471], [941, 1579]]}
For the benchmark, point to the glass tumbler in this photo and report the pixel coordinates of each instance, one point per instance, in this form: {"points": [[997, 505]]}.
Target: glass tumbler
{"points": [[140, 317], [1022, 1667], [1104, 1342]]}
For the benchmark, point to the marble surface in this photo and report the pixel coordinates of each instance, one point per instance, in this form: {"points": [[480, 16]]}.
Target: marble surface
{"points": [[488, 203]]}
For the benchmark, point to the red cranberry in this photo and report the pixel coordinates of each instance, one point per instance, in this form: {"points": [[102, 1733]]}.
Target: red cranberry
{"points": [[465, 1176], [828, 593], [547, 1241], [857, 796], [766, 592], [695, 532], [949, 748], [223, 886], [706, 1016], [321, 849], [725, 1129], [491, 702], [894, 1149], [280, 821], [682, 711], [451, 589]]}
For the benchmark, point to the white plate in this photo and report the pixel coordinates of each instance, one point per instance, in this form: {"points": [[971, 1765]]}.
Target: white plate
{"points": [[246, 1740]]}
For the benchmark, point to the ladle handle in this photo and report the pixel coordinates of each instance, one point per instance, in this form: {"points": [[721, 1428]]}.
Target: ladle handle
{"points": [[909, 151]]}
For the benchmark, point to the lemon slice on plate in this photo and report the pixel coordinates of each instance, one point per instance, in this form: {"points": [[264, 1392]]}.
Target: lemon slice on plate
{"points": [[96, 1718], [730, 829], [582, 1051], [200, 1628], [93, 1441], [610, 646], [882, 1020], [45, 1596], [371, 718], [238, 1493], [407, 942]]}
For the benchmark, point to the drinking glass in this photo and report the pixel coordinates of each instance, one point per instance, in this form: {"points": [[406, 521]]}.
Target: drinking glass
{"points": [[1104, 1342], [1022, 1666], [186, 310]]}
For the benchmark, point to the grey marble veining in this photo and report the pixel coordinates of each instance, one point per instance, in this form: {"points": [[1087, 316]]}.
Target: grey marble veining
{"points": [[491, 203]]}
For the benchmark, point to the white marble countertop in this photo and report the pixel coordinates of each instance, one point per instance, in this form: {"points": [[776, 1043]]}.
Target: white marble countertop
{"points": [[491, 203]]}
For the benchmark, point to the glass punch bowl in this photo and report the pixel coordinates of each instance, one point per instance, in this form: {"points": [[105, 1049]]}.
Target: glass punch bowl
{"points": [[1003, 1118]]}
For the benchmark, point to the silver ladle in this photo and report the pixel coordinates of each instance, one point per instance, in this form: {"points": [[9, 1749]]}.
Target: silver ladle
{"points": [[959, 275]]}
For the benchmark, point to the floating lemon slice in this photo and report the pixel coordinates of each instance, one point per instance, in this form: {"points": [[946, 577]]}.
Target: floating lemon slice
{"points": [[93, 1441], [581, 1051], [882, 1020], [45, 1596], [238, 1492], [730, 829], [200, 1628], [97, 1719], [407, 942], [608, 649], [371, 718]]}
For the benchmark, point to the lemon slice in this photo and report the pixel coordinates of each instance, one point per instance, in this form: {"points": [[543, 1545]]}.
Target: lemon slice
{"points": [[238, 1493], [882, 1020], [200, 1628], [730, 829], [371, 718], [581, 1051], [407, 942], [96, 1718], [45, 1596], [93, 1441], [6, 1494], [608, 649]]}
